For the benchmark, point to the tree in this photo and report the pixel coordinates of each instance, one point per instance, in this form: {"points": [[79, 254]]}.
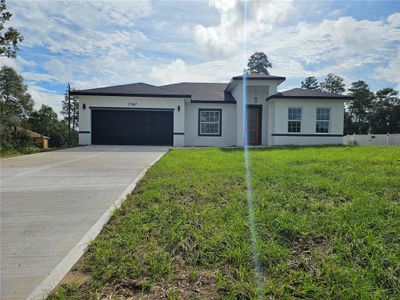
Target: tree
{"points": [[310, 83], [359, 108], [15, 101], [259, 63], [333, 84], [350, 126], [44, 120], [385, 112], [71, 113], [10, 37], [74, 110]]}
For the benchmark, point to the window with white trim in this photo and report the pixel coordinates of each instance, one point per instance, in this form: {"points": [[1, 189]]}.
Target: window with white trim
{"points": [[294, 119], [323, 118], [210, 122]]}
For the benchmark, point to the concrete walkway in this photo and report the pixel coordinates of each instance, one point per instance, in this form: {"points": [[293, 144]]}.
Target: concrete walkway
{"points": [[49, 201]]}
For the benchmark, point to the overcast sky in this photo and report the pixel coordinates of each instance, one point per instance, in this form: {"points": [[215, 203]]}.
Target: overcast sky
{"points": [[101, 43]]}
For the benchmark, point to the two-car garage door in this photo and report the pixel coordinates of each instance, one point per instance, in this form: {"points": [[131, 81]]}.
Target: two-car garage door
{"points": [[132, 127]]}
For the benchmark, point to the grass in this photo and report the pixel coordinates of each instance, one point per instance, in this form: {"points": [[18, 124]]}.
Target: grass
{"points": [[328, 222], [26, 151]]}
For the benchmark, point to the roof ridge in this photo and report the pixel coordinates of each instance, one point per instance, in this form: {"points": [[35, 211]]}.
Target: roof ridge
{"points": [[125, 85], [193, 82], [302, 93], [313, 90], [121, 85]]}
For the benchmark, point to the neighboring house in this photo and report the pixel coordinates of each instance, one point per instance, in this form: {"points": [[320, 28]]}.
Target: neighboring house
{"points": [[39, 140], [210, 114]]}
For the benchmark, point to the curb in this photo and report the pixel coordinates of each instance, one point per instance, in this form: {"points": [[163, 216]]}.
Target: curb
{"points": [[65, 265]]}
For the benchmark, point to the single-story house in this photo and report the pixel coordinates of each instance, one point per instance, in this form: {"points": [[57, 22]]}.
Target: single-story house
{"points": [[39, 140], [247, 108]]}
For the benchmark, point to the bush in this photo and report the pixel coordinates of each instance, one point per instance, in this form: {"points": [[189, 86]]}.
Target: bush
{"points": [[22, 139], [56, 140], [6, 143]]}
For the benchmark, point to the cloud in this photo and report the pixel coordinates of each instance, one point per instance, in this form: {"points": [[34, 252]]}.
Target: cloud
{"points": [[212, 71], [82, 42], [5, 61], [81, 27], [391, 72], [339, 45], [26, 63], [229, 36], [47, 97]]}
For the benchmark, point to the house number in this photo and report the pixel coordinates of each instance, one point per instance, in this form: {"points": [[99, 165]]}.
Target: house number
{"points": [[132, 103]]}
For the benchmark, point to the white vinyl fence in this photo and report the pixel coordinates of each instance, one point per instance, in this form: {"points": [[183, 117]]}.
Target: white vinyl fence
{"points": [[372, 139]]}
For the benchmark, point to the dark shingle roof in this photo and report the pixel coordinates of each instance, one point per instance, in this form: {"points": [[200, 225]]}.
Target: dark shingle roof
{"points": [[201, 91], [258, 76], [134, 89], [299, 93]]}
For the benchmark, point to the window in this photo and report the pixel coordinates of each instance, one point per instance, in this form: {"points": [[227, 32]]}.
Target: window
{"points": [[210, 122], [294, 119], [323, 117]]}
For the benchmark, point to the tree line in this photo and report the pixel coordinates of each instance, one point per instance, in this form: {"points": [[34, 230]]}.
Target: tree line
{"points": [[17, 114], [374, 112]]}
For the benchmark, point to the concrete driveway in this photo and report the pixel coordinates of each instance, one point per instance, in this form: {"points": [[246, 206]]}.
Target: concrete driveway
{"points": [[49, 201]]}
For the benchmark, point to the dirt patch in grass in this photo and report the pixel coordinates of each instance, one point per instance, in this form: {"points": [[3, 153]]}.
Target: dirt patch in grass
{"points": [[75, 278]]}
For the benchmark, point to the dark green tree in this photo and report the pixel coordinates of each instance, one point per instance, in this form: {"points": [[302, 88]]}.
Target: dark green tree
{"points": [[385, 112], [15, 101], [74, 111], [310, 83], [350, 126], [44, 120], [259, 63], [360, 107], [9, 37], [333, 84], [70, 111], [59, 136]]}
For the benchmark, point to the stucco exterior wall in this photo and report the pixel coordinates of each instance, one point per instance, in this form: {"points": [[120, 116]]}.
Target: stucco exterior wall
{"points": [[308, 134], [274, 117], [255, 89], [132, 103], [228, 118]]}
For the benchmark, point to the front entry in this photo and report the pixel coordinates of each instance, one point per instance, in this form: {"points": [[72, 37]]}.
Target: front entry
{"points": [[254, 117]]}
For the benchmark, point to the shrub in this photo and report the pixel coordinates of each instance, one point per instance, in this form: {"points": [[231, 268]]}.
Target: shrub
{"points": [[21, 139], [6, 143], [56, 140]]}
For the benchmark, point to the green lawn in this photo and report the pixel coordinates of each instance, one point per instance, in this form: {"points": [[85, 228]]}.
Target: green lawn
{"points": [[12, 153], [327, 219]]}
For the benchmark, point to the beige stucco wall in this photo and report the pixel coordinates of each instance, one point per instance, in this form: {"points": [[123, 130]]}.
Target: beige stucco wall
{"points": [[308, 122], [228, 136]]}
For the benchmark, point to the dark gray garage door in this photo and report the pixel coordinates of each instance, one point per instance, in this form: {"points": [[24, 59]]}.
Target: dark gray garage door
{"points": [[132, 127]]}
